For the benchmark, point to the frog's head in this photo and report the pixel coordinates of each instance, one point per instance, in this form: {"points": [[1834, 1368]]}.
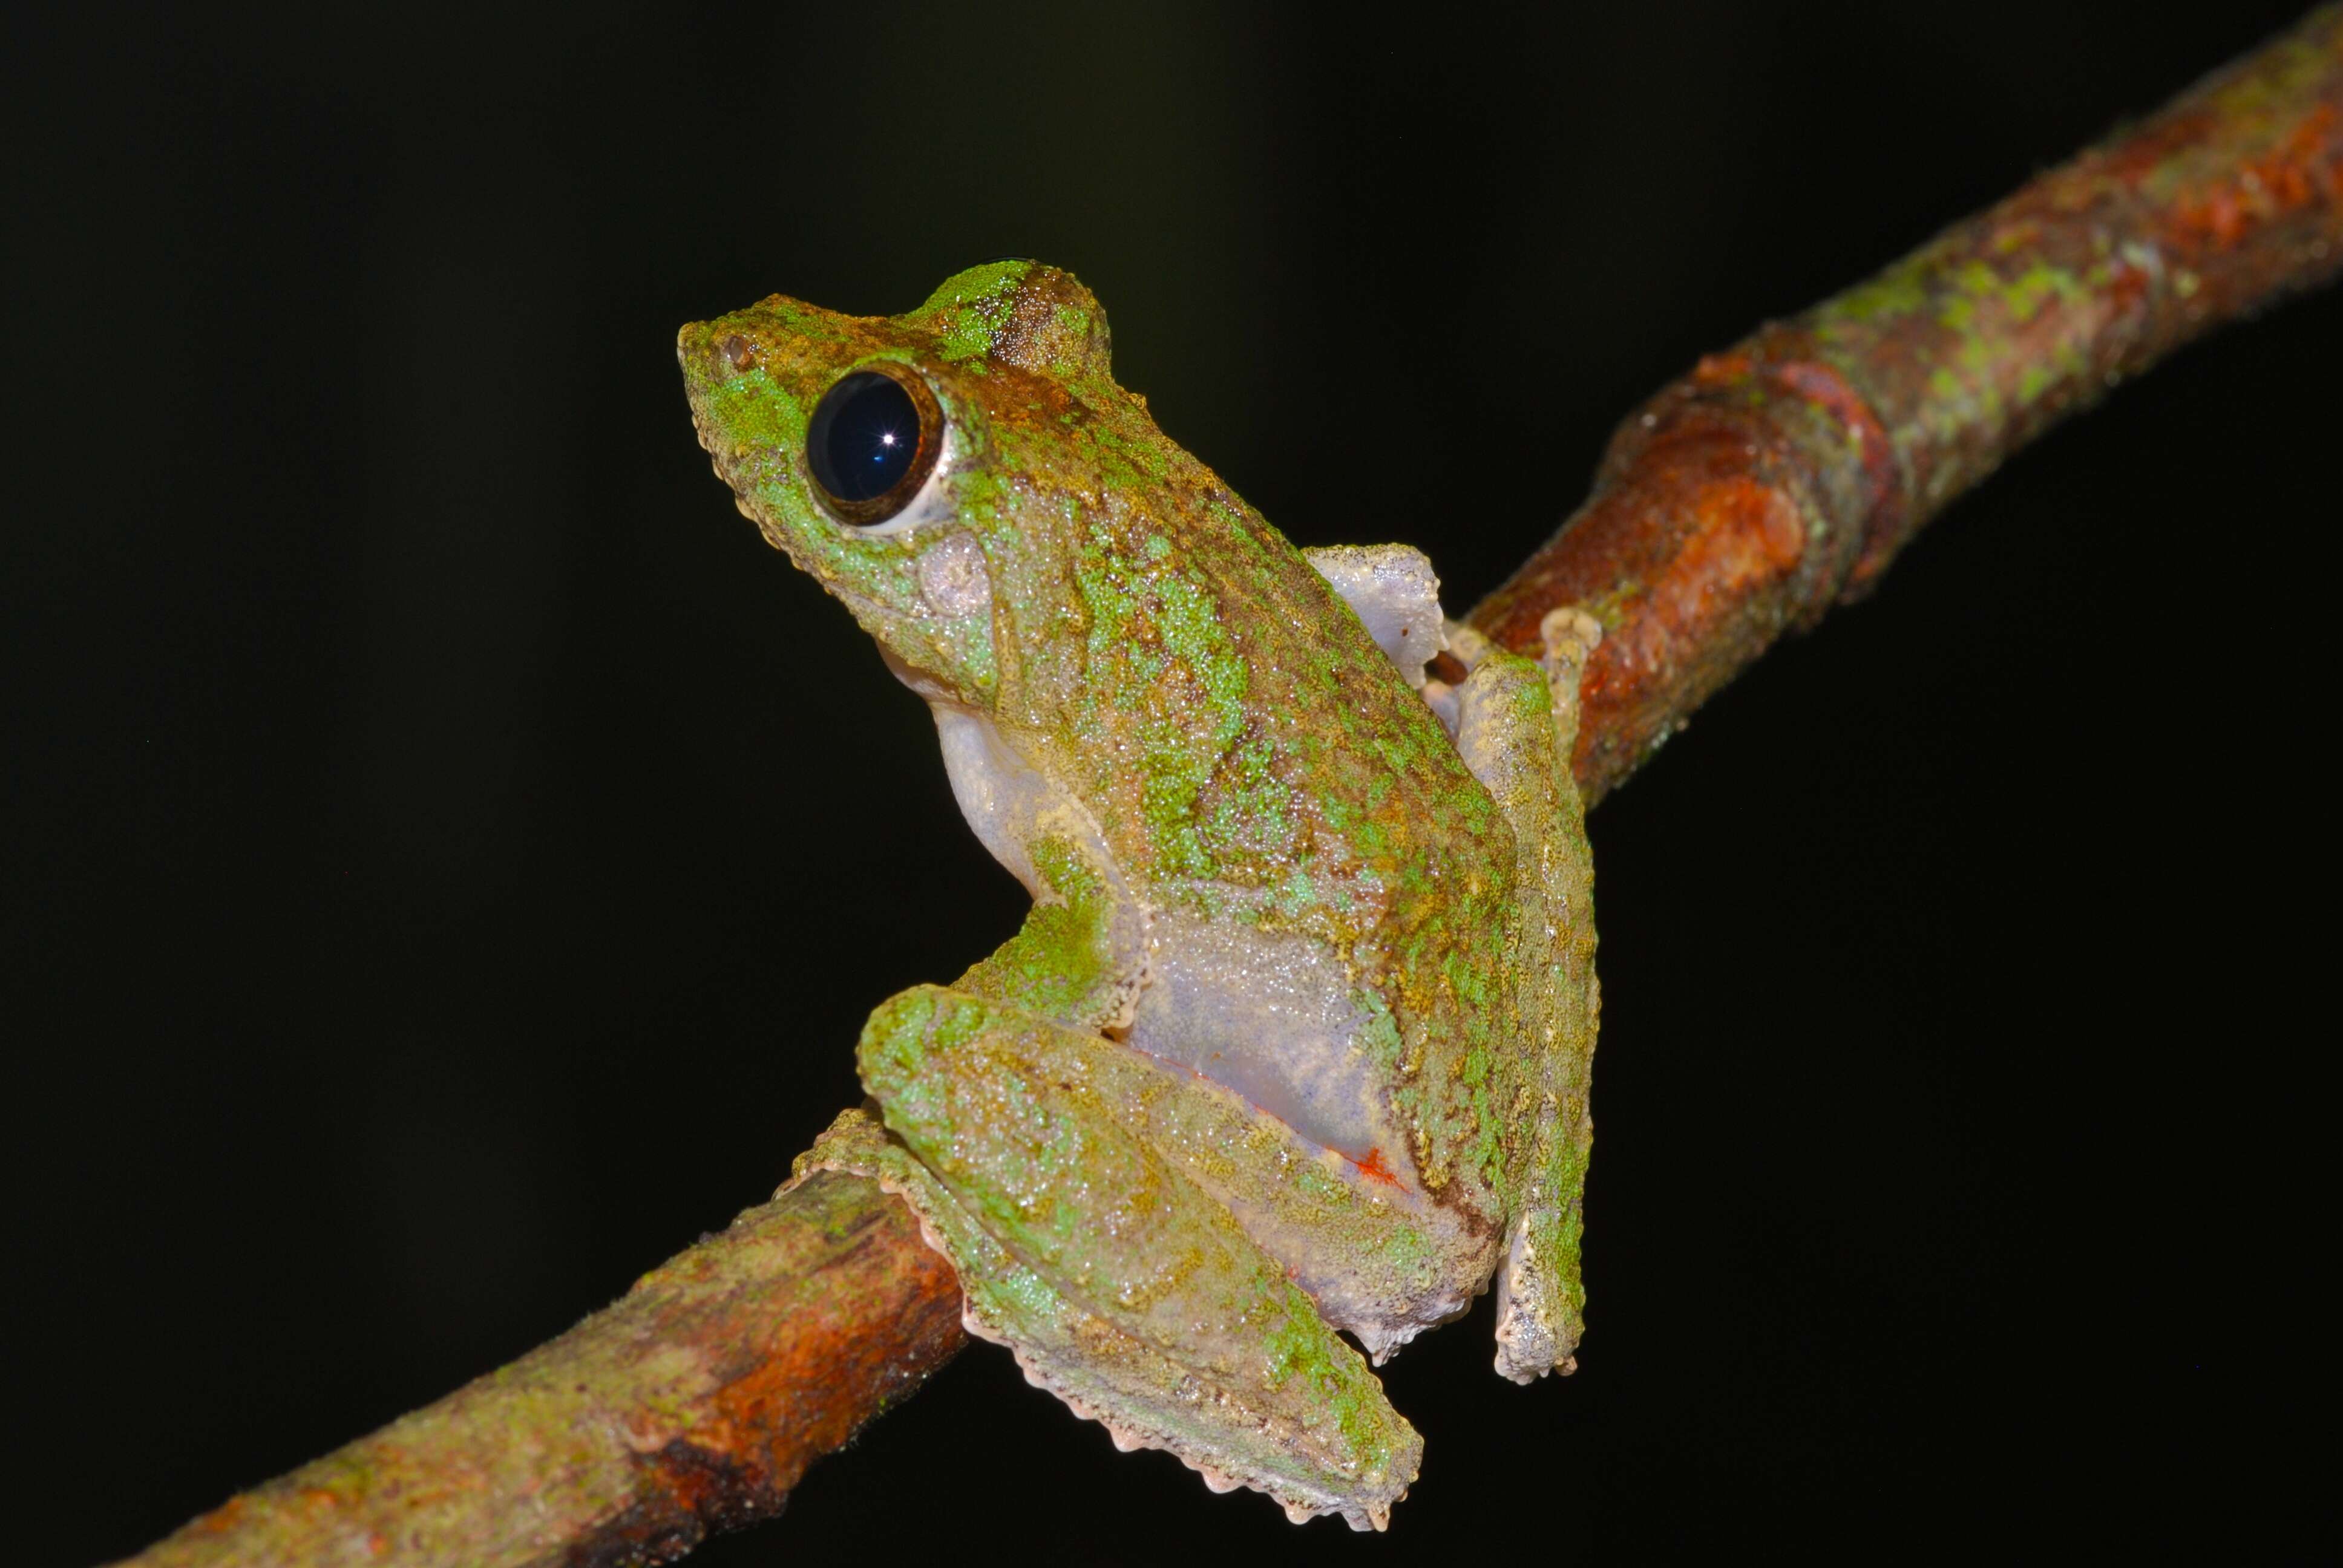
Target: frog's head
{"points": [[922, 467]]}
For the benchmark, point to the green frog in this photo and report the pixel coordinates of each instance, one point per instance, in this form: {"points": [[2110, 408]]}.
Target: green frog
{"points": [[1295, 1040]]}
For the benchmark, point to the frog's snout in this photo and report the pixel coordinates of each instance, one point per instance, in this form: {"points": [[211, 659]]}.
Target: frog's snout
{"points": [[706, 356], [708, 349], [697, 352], [691, 355]]}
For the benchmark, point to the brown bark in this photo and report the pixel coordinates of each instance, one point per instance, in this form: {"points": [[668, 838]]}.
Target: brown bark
{"points": [[1777, 478], [691, 1405], [1782, 475]]}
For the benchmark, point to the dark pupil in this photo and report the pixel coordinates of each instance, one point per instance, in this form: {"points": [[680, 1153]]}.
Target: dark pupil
{"points": [[865, 434]]}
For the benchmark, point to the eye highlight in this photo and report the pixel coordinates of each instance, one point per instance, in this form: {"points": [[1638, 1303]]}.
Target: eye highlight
{"points": [[872, 442]]}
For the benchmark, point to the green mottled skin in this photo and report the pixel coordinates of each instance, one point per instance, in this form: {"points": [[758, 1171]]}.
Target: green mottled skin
{"points": [[1217, 773]]}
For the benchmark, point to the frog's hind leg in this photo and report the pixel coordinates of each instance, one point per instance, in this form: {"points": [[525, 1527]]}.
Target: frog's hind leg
{"points": [[1122, 1287], [1516, 724]]}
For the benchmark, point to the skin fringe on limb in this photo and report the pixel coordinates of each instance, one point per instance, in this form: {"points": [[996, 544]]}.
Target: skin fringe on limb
{"points": [[1779, 478]]}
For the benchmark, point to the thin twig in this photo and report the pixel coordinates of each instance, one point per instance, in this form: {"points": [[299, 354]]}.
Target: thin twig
{"points": [[1776, 480]]}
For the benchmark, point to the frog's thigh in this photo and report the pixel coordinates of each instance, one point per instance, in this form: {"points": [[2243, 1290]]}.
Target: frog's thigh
{"points": [[1122, 1287], [1516, 724], [1378, 1258]]}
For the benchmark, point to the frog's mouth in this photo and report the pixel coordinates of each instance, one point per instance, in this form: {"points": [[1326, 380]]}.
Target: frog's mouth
{"points": [[930, 687]]}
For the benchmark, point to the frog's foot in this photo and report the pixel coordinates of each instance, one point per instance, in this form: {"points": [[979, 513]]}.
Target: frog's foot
{"points": [[1121, 1286]]}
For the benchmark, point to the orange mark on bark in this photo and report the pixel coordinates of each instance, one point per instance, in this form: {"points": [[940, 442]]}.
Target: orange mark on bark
{"points": [[1747, 532], [1722, 368], [789, 1386], [2304, 168], [759, 1417], [1373, 1169]]}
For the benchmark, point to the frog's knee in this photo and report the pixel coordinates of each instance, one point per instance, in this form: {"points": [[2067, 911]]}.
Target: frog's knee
{"points": [[1504, 730], [914, 1035]]}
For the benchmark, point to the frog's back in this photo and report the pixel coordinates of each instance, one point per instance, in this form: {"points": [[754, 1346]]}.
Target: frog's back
{"points": [[1322, 872]]}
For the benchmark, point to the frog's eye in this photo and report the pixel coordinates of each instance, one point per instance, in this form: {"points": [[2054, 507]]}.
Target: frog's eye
{"points": [[873, 442]]}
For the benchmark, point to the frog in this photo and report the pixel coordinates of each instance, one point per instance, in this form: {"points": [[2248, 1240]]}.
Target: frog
{"points": [[1290, 1059]]}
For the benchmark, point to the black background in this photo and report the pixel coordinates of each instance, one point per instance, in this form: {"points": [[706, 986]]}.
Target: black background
{"points": [[448, 857]]}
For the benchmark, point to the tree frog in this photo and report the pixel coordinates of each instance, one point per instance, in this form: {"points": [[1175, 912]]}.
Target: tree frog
{"points": [[1295, 1041]]}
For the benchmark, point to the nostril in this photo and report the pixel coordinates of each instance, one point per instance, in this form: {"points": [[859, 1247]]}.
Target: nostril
{"points": [[739, 351]]}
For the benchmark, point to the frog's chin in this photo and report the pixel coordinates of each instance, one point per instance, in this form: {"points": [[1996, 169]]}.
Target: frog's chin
{"points": [[932, 688]]}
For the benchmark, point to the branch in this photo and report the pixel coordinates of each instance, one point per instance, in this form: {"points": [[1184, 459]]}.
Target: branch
{"points": [[1783, 475], [1779, 478], [693, 1404]]}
